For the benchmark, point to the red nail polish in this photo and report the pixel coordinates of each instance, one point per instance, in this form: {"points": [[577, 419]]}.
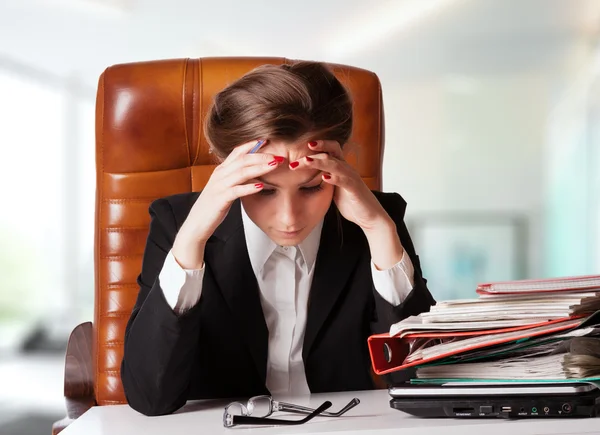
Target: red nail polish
{"points": [[294, 165], [259, 185], [327, 176], [312, 143], [279, 159], [274, 162], [308, 159]]}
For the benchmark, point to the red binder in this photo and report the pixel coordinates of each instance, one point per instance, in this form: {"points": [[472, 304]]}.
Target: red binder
{"points": [[388, 353]]}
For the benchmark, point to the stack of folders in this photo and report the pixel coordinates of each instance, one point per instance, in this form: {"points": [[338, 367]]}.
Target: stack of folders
{"points": [[529, 330]]}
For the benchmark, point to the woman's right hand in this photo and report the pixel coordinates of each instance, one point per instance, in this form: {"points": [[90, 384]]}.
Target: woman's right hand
{"points": [[227, 183]]}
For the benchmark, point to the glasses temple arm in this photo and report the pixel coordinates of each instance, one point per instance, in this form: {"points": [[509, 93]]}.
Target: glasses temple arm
{"points": [[297, 409]]}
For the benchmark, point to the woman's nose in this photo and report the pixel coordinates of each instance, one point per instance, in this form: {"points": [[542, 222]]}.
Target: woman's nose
{"points": [[287, 214]]}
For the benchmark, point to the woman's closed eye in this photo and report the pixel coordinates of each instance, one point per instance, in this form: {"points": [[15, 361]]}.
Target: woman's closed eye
{"points": [[312, 189], [266, 192]]}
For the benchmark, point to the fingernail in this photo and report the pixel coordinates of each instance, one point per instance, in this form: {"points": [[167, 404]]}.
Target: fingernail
{"points": [[279, 159], [259, 185], [312, 143], [294, 165], [274, 162], [327, 176], [308, 159]]}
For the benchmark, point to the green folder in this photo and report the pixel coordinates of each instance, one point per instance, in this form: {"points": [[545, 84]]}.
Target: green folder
{"points": [[501, 381]]}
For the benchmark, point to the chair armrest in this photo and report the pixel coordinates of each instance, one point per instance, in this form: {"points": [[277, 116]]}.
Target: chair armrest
{"points": [[79, 376]]}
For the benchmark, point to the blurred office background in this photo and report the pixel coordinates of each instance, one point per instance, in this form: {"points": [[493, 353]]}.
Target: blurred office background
{"points": [[492, 136]]}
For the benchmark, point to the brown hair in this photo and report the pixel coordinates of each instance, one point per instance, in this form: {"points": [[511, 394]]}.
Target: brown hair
{"points": [[280, 102]]}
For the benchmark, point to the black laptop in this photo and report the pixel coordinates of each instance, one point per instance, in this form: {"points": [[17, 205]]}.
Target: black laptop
{"points": [[494, 400]]}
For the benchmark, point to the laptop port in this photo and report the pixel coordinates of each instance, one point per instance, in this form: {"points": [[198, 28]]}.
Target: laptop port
{"points": [[486, 409], [506, 409]]}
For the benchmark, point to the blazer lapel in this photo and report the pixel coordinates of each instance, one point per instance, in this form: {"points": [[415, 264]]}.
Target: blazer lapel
{"points": [[339, 250], [231, 267]]}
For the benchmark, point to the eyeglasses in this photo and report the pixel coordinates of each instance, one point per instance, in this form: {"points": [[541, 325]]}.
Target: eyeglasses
{"points": [[258, 408]]}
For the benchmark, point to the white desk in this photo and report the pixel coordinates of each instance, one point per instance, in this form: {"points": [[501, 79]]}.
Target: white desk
{"points": [[372, 416]]}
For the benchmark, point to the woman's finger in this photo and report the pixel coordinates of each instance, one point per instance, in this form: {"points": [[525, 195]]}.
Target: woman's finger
{"points": [[331, 179], [245, 160], [244, 173], [244, 149], [242, 190], [339, 172], [322, 162], [330, 147]]}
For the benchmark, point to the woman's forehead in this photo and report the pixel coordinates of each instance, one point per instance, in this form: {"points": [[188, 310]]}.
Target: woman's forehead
{"points": [[289, 150]]}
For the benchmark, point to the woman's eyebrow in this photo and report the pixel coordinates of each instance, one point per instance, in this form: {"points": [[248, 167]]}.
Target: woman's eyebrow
{"points": [[308, 180]]}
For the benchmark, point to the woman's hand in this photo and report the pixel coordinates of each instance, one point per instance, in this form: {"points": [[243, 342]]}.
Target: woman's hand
{"points": [[352, 196], [355, 201], [227, 183]]}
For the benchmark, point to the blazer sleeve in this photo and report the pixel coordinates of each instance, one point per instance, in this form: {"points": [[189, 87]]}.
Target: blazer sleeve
{"points": [[419, 299], [160, 346]]}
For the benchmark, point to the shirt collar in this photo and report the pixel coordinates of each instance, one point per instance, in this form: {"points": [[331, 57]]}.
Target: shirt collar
{"points": [[261, 247]]}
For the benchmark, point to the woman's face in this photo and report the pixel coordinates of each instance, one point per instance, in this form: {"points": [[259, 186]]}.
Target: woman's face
{"points": [[292, 202]]}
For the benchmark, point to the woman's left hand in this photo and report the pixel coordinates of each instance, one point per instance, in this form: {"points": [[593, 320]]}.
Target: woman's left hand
{"points": [[352, 196], [356, 202]]}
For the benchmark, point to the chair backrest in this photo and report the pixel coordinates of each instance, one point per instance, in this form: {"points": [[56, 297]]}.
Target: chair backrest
{"points": [[150, 144]]}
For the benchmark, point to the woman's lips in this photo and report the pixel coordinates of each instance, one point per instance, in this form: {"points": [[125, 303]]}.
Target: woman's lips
{"points": [[289, 234]]}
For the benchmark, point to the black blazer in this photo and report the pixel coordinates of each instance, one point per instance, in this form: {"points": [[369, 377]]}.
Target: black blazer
{"points": [[219, 347]]}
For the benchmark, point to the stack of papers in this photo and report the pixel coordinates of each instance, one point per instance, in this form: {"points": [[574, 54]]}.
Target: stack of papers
{"points": [[551, 360], [514, 307], [573, 283], [521, 330]]}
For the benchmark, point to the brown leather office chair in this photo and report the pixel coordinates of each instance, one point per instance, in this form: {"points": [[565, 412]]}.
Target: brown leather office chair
{"points": [[150, 144]]}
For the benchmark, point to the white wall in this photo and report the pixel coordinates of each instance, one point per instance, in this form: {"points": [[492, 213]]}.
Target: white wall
{"points": [[468, 146], [571, 195]]}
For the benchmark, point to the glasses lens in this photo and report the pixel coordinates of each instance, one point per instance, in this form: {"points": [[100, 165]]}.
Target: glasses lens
{"points": [[260, 406], [236, 408]]}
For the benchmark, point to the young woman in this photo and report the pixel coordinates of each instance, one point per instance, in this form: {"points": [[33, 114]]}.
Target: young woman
{"points": [[270, 280]]}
